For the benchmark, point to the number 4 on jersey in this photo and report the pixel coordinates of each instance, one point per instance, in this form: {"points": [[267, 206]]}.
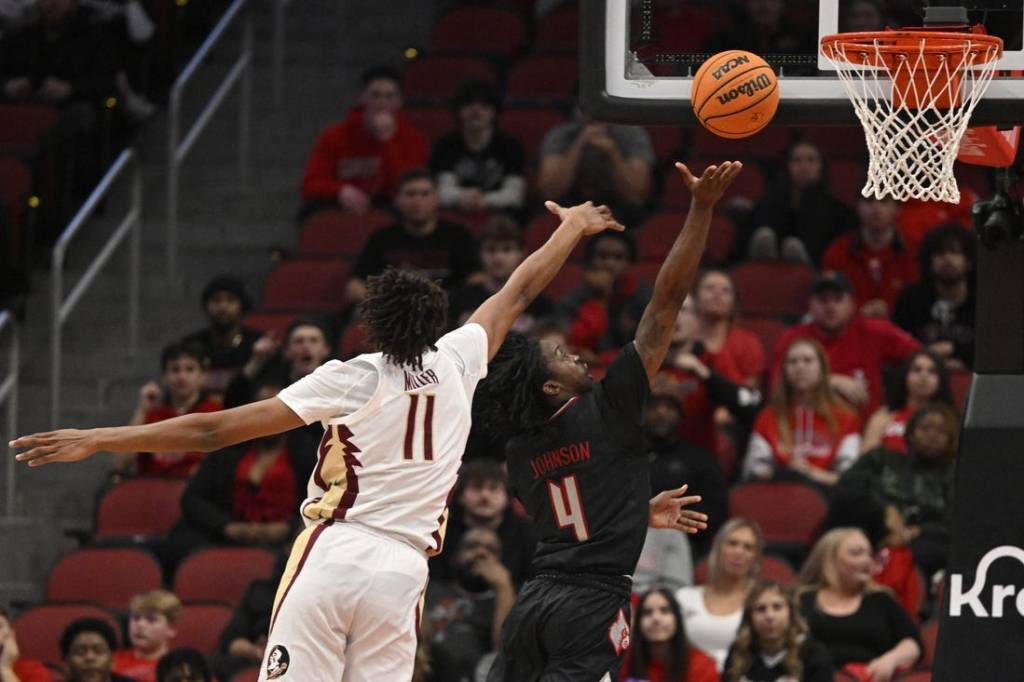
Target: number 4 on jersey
{"points": [[567, 506]]}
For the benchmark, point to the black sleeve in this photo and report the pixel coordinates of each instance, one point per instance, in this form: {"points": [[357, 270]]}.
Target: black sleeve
{"points": [[817, 662], [466, 256], [902, 315], [709, 483], [899, 623], [202, 504], [369, 261], [442, 155], [239, 392], [742, 402], [624, 389]]}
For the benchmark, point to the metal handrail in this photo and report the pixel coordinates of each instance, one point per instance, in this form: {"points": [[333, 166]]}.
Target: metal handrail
{"points": [[9, 395], [277, 52], [62, 307], [178, 148]]}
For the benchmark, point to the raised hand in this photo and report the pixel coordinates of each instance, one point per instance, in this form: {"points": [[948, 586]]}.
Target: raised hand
{"points": [[593, 219], [64, 445], [666, 511], [709, 187]]}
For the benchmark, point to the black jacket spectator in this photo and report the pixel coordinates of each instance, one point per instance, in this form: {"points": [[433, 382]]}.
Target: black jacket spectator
{"points": [[448, 253]]}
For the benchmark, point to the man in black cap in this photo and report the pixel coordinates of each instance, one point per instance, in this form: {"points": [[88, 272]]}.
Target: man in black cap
{"points": [[478, 167], [227, 343], [858, 348]]}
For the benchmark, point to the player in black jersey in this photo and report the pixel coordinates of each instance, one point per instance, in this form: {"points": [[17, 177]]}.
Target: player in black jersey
{"points": [[577, 463]]}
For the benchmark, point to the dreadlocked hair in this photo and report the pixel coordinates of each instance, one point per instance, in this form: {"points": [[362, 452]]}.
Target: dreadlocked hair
{"points": [[511, 398], [404, 314]]}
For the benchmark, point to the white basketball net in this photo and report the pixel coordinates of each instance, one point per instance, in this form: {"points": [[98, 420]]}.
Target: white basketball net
{"points": [[912, 148]]}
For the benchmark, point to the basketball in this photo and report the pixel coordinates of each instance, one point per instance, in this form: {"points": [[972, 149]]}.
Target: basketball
{"points": [[735, 94]]}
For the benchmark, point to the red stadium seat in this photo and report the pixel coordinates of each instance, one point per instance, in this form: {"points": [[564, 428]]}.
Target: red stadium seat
{"points": [[540, 228], [558, 30], [772, 568], [789, 513], [845, 142], [646, 271], [247, 675], [767, 329], [529, 126], [929, 636], [24, 127], [433, 122], [915, 676], [710, 148], [353, 342], [666, 141], [960, 383], [748, 186], [438, 77], [200, 627], [473, 221], [143, 507], [567, 279], [15, 186], [659, 232], [492, 31], [846, 178], [39, 628], [773, 288], [542, 78], [109, 577], [306, 285], [275, 324], [221, 574], [339, 234]]}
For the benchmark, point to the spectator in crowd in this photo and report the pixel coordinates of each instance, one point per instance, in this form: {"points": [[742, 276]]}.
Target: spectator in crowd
{"points": [[665, 561], [244, 640], [227, 343], [798, 216], [919, 217], [805, 430], [130, 29], [660, 651], [873, 257], [482, 501], [246, 494], [88, 645], [772, 644], [356, 163], [673, 461], [605, 163], [14, 668], [463, 617], [939, 310], [858, 348], [712, 612], [184, 378], [418, 241], [863, 15], [763, 28], [923, 379], [306, 347], [478, 166], [152, 621], [606, 308], [718, 365], [501, 251], [183, 665], [918, 484], [862, 626]]}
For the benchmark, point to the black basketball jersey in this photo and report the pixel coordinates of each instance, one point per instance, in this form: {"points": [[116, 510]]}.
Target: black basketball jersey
{"points": [[583, 476]]}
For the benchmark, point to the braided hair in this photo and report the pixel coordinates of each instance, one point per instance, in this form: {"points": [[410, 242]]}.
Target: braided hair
{"points": [[404, 314], [511, 398]]}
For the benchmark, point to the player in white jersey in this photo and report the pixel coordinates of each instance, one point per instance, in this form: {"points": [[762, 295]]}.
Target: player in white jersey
{"points": [[396, 423]]}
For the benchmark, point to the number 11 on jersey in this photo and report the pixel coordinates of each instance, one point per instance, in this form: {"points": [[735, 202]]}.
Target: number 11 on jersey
{"points": [[567, 506]]}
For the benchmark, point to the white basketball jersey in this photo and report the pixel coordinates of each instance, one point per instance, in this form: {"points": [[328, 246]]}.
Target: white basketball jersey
{"points": [[393, 437]]}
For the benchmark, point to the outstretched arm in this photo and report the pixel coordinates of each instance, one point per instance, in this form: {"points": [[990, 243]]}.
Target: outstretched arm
{"points": [[654, 332], [533, 275], [201, 432]]}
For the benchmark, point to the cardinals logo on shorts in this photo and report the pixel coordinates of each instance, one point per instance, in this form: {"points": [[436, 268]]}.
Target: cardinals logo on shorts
{"points": [[277, 662], [618, 633]]}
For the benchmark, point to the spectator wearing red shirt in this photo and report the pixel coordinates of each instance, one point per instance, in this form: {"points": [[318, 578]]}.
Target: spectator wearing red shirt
{"points": [[606, 308], [356, 163], [152, 620], [857, 347], [924, 379], [873, 257], [660, 651], [12, 666], [184, 379], [806, 429]]}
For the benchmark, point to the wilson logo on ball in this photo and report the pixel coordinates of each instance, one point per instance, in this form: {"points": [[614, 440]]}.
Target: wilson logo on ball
{"points": [[749, 88]]}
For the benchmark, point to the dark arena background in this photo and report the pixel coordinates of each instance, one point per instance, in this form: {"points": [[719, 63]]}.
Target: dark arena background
{"points": [[193, 194]]}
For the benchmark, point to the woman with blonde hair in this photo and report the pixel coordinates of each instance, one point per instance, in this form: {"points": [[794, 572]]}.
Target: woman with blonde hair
{"points": [[713, 611], [806, 428], [772, 644], [866, 631]]}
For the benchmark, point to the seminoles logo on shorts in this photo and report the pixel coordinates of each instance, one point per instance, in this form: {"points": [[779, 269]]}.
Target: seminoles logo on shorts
{"points": [[618, 633], [277, 662]]}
